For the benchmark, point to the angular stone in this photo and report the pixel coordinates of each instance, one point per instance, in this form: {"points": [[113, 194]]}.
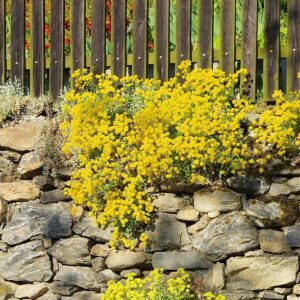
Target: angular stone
{"points": [[8, 171], [218, 277], [54, 196], [254, 253], [32, 219], [239, 295], [88, 228], [71, 251], [229, 234], [21, 137], [283, 291], [188, 214], [125, 259], [169, 234], [3, 247], [30, 165], [10, 155], [83, 277], [292, 235], [107, 275], [31, 291], [98, 264], [45, 183], [270, 295], [7, 289], [168, 202], [204, 221], [222, 200], [84, 295], [26, 263], [62, 288], [275, 211], [296, 289], [174, 260], [19, 191], [258, 273], [273, 241], [285, 188], [48, 296], [3, 211], [100, 250]]}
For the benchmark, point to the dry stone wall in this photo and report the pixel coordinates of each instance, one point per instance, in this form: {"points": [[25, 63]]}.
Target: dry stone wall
{"points": [[242, 240]]}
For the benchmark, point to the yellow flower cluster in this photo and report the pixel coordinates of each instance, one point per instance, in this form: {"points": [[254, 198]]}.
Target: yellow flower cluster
{"points": [[153, 287], [129, 134]]}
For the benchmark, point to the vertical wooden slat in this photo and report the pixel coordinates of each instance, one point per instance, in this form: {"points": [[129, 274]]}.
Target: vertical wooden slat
{"points": [[57, 48], [37, 48], [17, 40], [271, 49], [183, 30], [77, 34], [161, 40], [249, 45], [140, 38], [293, 58], [2, 41], [118, 37], [98, 37], [227, 36], [205, 33]]}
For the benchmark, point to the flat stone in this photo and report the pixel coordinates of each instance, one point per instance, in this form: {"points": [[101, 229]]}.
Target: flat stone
{"points": [[21, 137], [169, 234], [71, 251], [273, 241], [296, 289], [31, 291], [270, 295], [30, 165], [258, 273], [62, 288], [87, 227], [100, 250], [213, 214], [176, 259], [293, 297], [274, 211], [283, 291], [229, 234], [7, 289], [84, 295], [281, 169], [285, 188], [19, 191], [11, 155], [239, 295], [3, 247], [201, 224], [254, 253], [218, 277], [45, 183], [180, 187], [251, 186], [168, 202], [47, 296], [3, 211], [107, 275], [125, 259], [83, 277], [188, 214], [32, 219], [54, 196], [137, 272], [292, 235], [8, 170], [26, 263], [222, 200]]}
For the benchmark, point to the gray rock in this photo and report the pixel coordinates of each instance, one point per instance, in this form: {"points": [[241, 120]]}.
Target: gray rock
{"points": [[88, 228], [19, 191], [30, 165], [84, 295], [48, 296], [292, 235], [71, 251], [107, 275], [98, 264], [281, 169], [62, 288], [125, 259], [31, 291], [169, 234], [188, 214], [54, 196], [273, 241], [3, 211], [283, 291], [239, 295], [11, 155], [222, 200], [168, 202], [83, 277], [229, 234], [100, 250], [176, 259], [32, 219], [274, 211], [26, 263], [45, 183], [218, 277], [270, 295], [285, 188], [258, 273]]}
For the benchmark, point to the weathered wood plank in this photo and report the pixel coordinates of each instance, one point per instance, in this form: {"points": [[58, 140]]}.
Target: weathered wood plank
{"points": [[17, 40], [205, 33], [98, 37], [271, 59], [57, 48], [249, 45], [161, 40], [183, 30], [118, 37], [140, 38], [37, 48], [2, 41], [293, 59], [227, 36]]}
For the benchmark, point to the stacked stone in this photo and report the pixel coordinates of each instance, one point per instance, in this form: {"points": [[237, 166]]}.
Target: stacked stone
{"points": [[242, 240]]}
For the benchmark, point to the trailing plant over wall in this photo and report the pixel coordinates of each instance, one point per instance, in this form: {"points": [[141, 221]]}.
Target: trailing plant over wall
{"points": [[129, 134]]}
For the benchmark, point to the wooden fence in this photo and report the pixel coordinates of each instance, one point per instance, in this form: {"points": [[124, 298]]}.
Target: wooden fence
{"points": [[204, 55]]}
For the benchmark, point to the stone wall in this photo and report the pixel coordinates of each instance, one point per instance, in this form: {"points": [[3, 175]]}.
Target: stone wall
{"points": [[242, 240]]}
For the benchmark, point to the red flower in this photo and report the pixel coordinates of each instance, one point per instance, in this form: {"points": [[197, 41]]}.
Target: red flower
{"points": [[67, 41], [47, 45]]}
